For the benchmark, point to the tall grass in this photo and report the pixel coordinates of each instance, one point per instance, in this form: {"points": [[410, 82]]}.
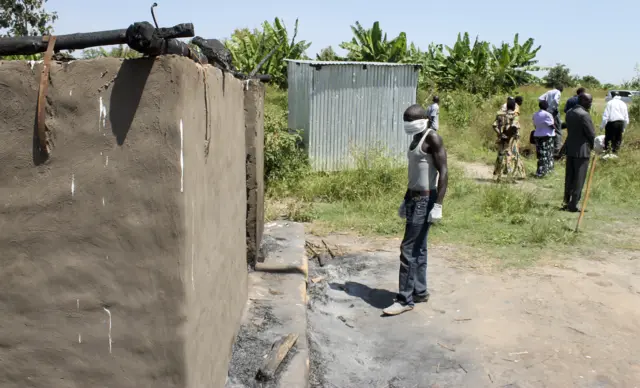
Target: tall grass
{"points": [[365, 199]]}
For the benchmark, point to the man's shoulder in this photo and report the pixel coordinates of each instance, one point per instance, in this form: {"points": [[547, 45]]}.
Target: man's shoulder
{"points": [[579, 112], [576, 112], [433, 135], [620, 103]]}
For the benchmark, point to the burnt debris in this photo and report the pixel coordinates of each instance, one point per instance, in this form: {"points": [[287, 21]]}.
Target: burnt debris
{"points": [[140, 36]]}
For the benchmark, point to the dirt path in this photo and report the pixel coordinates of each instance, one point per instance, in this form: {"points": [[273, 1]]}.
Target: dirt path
{"points": [[483, 173], [571, 325]]}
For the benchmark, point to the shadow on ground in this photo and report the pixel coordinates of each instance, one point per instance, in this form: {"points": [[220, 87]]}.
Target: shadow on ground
{"points": [[375, 297]]}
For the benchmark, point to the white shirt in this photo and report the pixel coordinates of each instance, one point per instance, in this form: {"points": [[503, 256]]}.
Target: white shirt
{"points": [[434, 111], [552, 97], [616, 110]]}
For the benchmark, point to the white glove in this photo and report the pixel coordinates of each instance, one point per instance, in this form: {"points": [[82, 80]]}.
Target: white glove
{"points": [[402, 211], [435, 214]]}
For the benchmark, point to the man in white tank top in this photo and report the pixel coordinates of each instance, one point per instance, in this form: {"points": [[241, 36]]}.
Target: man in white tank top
{"points": [[421, 207]]}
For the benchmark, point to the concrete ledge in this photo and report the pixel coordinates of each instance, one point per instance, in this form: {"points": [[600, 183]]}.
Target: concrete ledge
{"points": [[277, 306], [283, 247]]}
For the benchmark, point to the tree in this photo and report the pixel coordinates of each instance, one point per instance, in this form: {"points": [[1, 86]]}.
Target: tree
{"points": [[327, 54], [249, 48], [591, 82], [371, 45], [120, 51], [635, 81], [25, 17], [559, 75]]}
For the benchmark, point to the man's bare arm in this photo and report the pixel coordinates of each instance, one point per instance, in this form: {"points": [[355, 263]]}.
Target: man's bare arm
{"points": [[434, 141], [496, 128]]}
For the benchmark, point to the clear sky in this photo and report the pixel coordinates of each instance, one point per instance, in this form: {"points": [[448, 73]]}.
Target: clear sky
{"points": [[599, 38]]}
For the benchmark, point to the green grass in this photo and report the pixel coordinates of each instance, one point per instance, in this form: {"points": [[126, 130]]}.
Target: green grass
{"points": [[365, 200], [514, 224]]}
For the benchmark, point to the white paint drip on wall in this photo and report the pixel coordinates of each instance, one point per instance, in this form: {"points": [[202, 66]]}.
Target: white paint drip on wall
{"points": [[193, 245], [109, 313], [100, 114], [71, 92], [33, 63], [181, 158], [73, 184], [106, 162], [103, 205], [78, 309], [193, 254], [102, 119]]}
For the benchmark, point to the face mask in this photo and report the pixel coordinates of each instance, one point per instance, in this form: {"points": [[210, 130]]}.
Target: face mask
{"points": [[415, 126]]}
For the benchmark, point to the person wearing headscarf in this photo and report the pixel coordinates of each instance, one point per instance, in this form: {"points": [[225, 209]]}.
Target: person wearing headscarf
{"points": [[507, 127]]}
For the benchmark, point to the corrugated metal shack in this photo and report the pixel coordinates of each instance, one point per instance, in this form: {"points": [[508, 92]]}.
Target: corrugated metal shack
{"points": [[342, 106]]}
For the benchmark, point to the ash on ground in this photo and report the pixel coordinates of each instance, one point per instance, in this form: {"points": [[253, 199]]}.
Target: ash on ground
{"points": [[252, 343]]}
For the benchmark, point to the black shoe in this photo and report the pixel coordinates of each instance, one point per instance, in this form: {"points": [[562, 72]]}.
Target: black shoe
{"points": [[421, 299], [575, 210], [564, 208]]}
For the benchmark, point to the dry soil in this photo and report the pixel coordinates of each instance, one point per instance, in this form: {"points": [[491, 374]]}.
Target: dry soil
{"points": [[570, 324]]}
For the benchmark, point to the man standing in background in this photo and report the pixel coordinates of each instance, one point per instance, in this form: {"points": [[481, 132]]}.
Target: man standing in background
{"points": [[433, 112], [614, 121], [552, 97], [581, 134], [573, 101]]}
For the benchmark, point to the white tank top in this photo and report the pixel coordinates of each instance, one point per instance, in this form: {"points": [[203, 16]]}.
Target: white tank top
{"points": [[423, 174]]}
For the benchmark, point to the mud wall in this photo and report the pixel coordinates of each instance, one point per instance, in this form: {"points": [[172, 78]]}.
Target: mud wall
{"points": [[254, 137], [123, 255]]}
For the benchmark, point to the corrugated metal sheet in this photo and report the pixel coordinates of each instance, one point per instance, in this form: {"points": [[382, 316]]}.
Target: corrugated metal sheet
{"points": [[347, 106], [316, 63]]}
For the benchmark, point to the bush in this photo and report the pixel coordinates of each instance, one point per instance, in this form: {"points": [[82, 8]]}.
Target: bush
{"points": [[634, 111], [284, 160], [502, 199], [375, 176]]}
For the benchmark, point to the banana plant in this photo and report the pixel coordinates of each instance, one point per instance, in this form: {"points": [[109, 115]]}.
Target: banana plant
{"points": [[248, 48], [372, 45], [513, 64], [476, 67]]}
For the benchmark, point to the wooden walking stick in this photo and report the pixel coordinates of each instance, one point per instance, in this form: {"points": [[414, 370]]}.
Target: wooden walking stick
{"points": [[586, 195]]}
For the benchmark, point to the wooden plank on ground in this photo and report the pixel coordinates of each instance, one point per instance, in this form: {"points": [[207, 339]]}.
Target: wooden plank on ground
{"points": [[279, 351]]}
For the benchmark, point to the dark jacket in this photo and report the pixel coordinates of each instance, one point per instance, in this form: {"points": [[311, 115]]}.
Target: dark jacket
{"points": [[580, 133], [571, 103]]}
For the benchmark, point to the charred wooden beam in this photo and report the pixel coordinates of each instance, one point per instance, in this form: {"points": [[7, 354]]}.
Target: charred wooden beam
{"points": [[220, 56], [27, 45], [216, 53]]}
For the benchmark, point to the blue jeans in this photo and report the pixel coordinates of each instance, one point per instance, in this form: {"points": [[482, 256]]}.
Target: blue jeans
{"points": [[413, 250]]}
